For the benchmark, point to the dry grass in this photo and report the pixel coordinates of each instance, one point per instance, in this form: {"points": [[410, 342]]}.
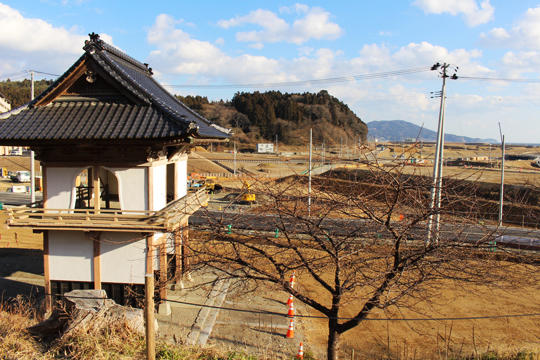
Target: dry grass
{"points": [[90, 343]]}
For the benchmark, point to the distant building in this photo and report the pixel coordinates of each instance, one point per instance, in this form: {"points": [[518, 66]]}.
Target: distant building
{"points": [[5, 106], [265, 148]]}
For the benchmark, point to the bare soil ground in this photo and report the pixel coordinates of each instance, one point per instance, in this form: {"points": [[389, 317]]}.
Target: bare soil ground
{"points": [[434, 339], [19, 238]]}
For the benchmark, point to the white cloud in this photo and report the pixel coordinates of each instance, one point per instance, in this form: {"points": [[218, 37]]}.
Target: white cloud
{"points": [[474, 13], [178, 53], [524, 35], [34, 43], [314, 24], [35, 35]]}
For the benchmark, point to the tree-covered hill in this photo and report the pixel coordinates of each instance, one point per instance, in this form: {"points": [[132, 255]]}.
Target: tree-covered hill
{"points": [[18, 92], [257, 116]]}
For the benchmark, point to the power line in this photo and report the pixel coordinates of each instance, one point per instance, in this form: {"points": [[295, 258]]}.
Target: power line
{"points": [[265, 312], [42, 72], [499, 79], [331, 80]]}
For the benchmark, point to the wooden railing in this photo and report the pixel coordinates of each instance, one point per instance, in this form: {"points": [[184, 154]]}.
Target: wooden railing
{"points": [[169, 218]]}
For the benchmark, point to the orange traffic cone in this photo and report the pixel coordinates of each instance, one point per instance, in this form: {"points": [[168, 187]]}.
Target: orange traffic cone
{"points": [[289, 302], [291, 310], [300, 354], [291, 280], [290, 331]]}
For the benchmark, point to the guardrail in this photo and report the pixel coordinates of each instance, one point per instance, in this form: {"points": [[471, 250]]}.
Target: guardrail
{"points": [[167, 219]]}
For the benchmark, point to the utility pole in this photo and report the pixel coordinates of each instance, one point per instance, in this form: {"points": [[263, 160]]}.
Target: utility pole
{"points": [[340, 147], [276, 150], [501, 196], [234, 157], [309, 171], [149, 316], [32, 155], [323, 152], [435, 203]]}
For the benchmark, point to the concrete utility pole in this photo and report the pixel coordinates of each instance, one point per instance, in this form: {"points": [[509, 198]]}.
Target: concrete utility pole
{"points": [[149, 316], [501, 196], [276, 150], [435, 203], [309, 172], [32, 155], [234, 157], [323, 151]]}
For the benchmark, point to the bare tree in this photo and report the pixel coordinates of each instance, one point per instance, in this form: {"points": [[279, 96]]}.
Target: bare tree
{"points": [[364, 241]]}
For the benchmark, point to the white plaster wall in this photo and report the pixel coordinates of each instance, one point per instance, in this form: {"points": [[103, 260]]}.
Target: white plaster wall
{"points": [[70, 256], [123, 257], [159, 187], [61, 187], [181, 177], [133, 189]]}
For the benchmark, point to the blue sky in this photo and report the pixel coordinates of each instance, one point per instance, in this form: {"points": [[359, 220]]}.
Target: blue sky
{"points": [[244, 42]]}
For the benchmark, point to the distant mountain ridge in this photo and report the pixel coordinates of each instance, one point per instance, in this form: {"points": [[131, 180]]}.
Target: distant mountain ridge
{"points": [[401, 130]]}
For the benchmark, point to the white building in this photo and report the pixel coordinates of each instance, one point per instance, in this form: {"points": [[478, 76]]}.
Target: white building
{"points": [[113, 145], [265, 148], [5, 106]]}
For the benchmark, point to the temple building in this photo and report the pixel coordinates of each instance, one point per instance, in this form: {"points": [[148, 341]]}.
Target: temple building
{"points": [[113, 146]]}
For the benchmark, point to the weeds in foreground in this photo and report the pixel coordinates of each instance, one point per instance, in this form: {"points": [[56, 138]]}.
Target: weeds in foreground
{"points": [[120, 343]]}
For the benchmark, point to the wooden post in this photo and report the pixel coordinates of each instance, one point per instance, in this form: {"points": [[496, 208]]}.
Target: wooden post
{"points": [[44, 184], [149, 316], [178, 255], [175, 181], [150, 254], [97, 196], [96, 260], [185, 240], [150, 188], [163, 271], [46, 272]]}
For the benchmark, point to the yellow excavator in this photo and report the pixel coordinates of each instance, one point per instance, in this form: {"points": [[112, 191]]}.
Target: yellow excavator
{"points": [[248, 197]]}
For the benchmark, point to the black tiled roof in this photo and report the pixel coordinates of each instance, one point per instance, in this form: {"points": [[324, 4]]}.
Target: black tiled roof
{"points": [[158, 116], [91, 120]]}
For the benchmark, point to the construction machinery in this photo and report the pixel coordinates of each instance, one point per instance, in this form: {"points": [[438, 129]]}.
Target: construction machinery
{"points": [[248, 196]]}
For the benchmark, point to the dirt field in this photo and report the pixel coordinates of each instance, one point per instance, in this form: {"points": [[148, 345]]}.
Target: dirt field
{"points": [[406, 340], [20, 238], [427, 339]]}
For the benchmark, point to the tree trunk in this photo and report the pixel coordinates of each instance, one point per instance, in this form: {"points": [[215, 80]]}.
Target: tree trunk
{"points": [[333, 340]]}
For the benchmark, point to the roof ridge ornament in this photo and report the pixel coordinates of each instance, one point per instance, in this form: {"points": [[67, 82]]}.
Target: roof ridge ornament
{"points": [[94, 43]]}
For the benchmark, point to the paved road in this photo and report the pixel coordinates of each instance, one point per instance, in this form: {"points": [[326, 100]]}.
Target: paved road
{"points": [[509, 237], [17, 199]]}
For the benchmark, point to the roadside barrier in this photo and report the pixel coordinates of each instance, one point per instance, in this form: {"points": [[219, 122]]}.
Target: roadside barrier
{"points": [[292, 279], [290, 300], [290, 331], [290, 313], [300, 354]]}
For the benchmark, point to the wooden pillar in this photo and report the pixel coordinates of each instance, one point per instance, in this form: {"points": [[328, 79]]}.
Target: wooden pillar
{"points": [[150, 188], [95, 184], [44, 185], [46, 272], [163, 270], [175, 181], [96, 261], [178, 255], [149, 254], [185, 250]]}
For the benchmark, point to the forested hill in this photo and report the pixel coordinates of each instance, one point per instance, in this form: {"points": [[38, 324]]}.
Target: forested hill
{"points": [[256, 117], [18, 92]]}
